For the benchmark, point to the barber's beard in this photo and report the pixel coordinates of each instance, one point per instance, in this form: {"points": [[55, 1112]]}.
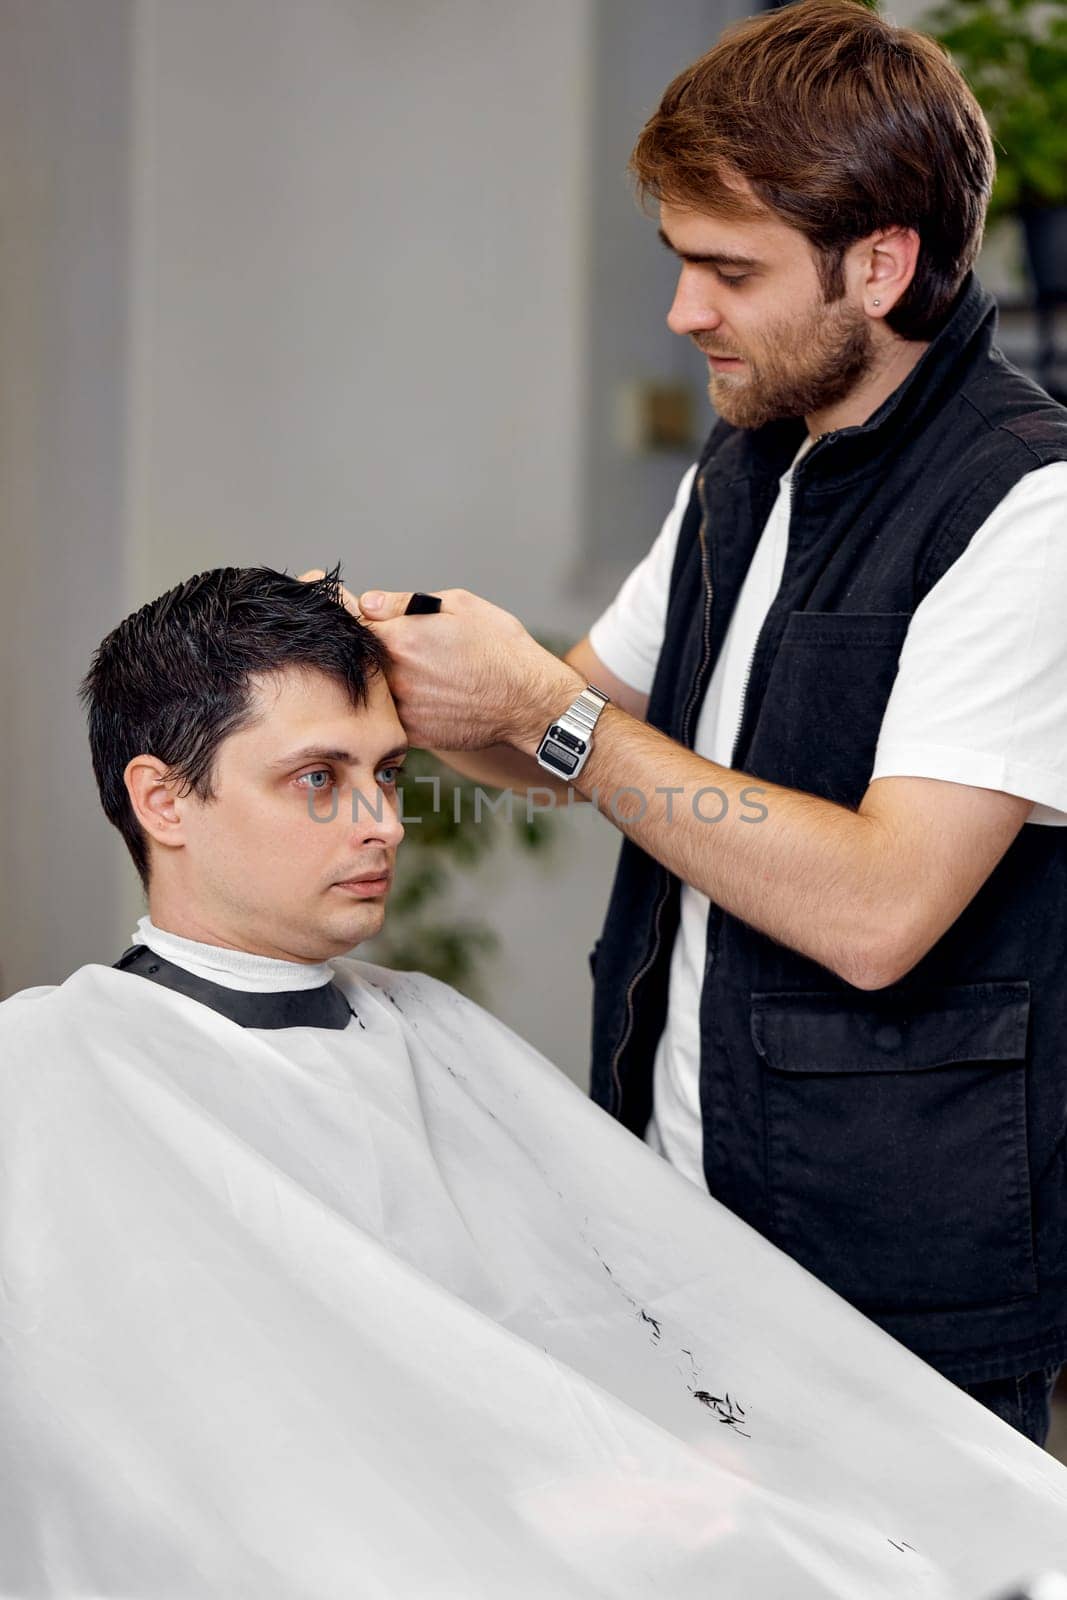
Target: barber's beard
{"points": [[806, 367]]}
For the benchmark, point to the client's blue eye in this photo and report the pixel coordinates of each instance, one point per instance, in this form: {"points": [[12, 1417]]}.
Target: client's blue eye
{"points": [[388, 775], [320, 772]]}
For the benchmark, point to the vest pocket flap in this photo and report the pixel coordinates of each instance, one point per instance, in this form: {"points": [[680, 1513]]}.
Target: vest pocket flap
{"points": [[825, 1032], [810, 629]]}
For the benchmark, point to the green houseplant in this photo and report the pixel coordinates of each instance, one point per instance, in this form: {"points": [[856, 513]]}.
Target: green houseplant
{"points": [[1014, 55]]}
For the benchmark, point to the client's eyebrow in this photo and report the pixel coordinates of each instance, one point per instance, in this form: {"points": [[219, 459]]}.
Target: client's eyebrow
{"points": [[316, 752], [717, 258]]}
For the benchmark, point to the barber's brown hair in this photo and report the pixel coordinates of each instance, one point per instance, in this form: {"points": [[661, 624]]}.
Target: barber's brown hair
{"points": [[842, 124]]}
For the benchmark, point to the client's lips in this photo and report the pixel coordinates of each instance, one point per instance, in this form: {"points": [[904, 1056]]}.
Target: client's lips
{"points": [[367, 885]]}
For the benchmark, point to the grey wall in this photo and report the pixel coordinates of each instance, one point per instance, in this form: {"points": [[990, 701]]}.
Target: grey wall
{"points": [[64, 289], [640, 48], [360, 242]]}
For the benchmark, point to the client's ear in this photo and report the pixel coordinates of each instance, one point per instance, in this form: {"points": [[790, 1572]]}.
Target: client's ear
{"points": [[152, 799]]}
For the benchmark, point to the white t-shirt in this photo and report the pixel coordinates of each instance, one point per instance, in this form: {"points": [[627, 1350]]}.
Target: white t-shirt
{"points": [[980, 697]]}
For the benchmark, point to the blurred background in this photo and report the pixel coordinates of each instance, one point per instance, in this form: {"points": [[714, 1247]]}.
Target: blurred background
{"points": [[289, 282]]}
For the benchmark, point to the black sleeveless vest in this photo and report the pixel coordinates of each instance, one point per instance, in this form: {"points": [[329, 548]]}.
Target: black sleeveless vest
{"points": [[906, 1145]]}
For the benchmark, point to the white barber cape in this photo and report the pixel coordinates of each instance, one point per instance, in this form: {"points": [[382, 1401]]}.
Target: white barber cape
{"points": [[394, 1311]]}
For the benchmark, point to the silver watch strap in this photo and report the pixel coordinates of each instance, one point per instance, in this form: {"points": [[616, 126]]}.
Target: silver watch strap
{"points": [[587, 708]]}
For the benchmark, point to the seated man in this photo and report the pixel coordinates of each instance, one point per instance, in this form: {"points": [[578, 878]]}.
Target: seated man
{"points": [[316, 1281]]}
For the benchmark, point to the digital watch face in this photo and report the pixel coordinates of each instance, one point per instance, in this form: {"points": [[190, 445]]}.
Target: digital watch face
{"points": [[563, 749], [559, 757]]}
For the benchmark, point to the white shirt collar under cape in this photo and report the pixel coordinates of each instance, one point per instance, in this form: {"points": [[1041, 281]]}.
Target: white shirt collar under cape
{"points": [[233, 969]]}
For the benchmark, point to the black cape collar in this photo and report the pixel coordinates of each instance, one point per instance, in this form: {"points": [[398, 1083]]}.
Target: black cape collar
{"points": [[325, 1007]]}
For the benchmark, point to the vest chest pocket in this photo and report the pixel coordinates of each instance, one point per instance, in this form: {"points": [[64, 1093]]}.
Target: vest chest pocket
{"points": [[826, 695], [896, 1149]]}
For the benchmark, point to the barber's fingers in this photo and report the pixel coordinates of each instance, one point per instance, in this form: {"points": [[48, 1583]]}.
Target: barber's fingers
{"points": [[379, 606], [382, 606], [350, 601]]}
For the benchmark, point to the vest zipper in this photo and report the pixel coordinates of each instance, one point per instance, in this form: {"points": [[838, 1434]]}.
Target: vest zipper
{"points": [[687, 718]]}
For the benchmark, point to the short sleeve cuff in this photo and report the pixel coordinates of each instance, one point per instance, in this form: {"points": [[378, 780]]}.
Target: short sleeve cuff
{"points": [[980, 768], [619, 656]]}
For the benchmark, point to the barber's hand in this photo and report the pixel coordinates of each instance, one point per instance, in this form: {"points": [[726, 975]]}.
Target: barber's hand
{"points": [[470, 676]]}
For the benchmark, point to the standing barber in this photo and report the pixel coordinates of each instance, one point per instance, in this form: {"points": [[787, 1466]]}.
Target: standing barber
{"points": [[831, 983]]}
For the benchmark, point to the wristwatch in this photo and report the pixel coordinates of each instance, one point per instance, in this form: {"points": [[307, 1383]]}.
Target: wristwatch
{"points": [[565, 747]]}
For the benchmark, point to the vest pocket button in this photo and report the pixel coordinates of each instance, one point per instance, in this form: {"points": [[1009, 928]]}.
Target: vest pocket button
{"points": [[888, 1036]]}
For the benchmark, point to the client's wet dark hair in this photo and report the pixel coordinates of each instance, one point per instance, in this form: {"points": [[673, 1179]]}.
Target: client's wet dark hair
{"points": [[172, 681]]}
